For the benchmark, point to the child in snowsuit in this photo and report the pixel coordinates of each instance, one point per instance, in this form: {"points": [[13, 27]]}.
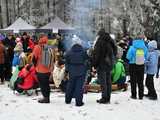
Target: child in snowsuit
{"points": [[151, 69], [75, 66]]}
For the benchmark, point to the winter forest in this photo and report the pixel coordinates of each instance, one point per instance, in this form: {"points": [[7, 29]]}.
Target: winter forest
{"points": [[116, 16]]}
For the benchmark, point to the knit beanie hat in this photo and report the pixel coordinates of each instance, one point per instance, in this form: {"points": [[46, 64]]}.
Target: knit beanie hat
{"points": [[119, 52]]}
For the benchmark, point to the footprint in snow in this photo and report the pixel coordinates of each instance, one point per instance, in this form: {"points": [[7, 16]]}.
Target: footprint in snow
{"points": [[83, 113], [111, 109], [116, 102], [61, 118], [79, 111], [6, 104], [42, 117], [13, 101]]}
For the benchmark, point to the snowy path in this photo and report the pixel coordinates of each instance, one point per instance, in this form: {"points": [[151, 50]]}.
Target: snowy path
{"points": [[14, 107]]}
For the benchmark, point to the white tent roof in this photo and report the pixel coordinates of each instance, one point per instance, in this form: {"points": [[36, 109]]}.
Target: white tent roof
{"points": [[57, 24], [20, 24]]}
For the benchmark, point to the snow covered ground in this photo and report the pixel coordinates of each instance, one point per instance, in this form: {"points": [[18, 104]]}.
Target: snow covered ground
{"points": [[13, 107]]}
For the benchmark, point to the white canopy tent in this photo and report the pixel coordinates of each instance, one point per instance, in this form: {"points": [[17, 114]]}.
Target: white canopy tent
{"points": [[57, 24], [18, 25]]}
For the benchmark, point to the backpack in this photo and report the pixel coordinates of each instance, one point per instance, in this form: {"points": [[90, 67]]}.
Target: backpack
{"points": [[47, 56], [23, 61], [16, 60], [139, 56]]}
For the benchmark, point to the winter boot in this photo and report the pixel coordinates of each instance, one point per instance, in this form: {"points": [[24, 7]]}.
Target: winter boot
{"points": [[153, 97], [79, 104], [2, 80], [103, 101], [44, 100], [140, 98], [133, 97]]}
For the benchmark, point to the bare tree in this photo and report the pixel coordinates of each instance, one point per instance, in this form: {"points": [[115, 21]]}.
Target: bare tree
{"points": [[1, 21], [7, 13]]}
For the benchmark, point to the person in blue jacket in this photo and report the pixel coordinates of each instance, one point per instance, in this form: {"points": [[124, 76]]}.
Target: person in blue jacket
{"points": [[151, 69], [136, 71], [75, 63]]}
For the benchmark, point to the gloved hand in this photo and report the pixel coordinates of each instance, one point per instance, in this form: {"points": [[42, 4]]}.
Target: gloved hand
{"points": [[20, 80], [28, 67], [20, 68]]}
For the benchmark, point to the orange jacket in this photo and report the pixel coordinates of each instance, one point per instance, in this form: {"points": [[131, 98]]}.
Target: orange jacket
{"points": [[37, 53]]}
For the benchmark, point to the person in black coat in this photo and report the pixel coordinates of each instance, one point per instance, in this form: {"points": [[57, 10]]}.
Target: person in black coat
{"points": [[9, 44], [76, 68], [104, 54], [25, 41]]}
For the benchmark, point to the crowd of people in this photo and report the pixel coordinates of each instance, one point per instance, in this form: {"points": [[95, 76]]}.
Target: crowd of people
{"points": [[33, 64]]}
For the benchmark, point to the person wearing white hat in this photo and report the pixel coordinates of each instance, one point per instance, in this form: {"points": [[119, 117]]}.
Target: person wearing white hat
{"points": [[19, 56]]}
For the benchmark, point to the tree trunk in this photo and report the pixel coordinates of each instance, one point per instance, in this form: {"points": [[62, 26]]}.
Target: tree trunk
{"points": [[14, 9], [7, 13], [18, 8], [48, 10], [1, 21]]}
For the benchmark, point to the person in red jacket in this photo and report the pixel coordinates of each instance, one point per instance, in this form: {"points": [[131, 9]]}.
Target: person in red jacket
{"points": [[28, 74]]}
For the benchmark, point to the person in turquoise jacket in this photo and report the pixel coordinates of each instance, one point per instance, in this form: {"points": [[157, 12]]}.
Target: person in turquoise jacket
{"points": [[131, 54], [136, 71]]}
